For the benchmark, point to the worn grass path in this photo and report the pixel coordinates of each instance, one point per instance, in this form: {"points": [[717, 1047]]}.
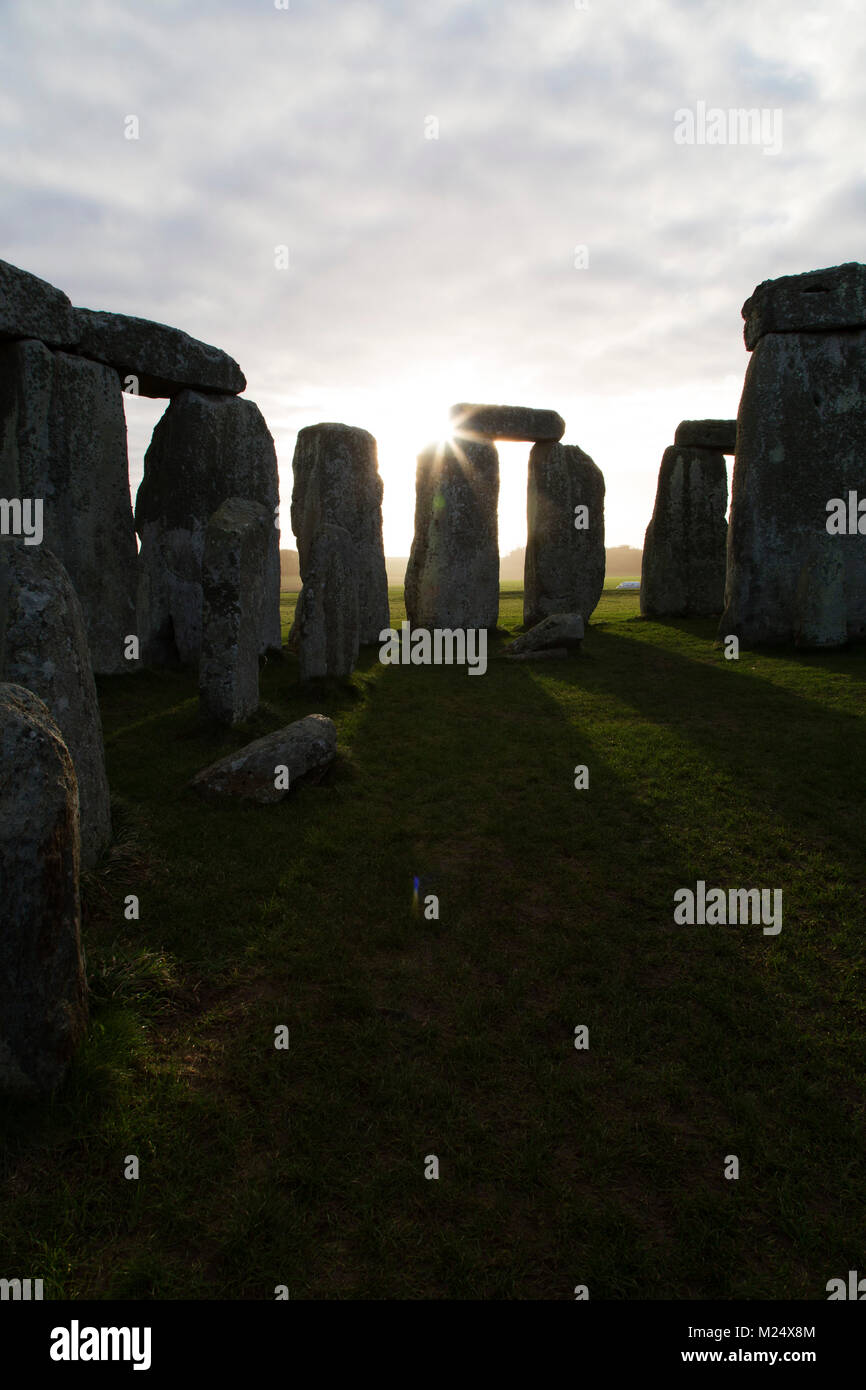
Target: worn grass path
{"points": [[411, 1037]]}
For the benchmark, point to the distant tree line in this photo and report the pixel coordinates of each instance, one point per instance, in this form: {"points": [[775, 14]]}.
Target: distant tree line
{"points": [[621, 559]]}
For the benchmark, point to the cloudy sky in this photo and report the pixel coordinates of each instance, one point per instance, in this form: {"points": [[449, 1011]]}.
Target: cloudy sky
{"points": [[434, 170]]}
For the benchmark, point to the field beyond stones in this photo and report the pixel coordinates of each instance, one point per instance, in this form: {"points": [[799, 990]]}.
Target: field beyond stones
{"points": [[411, 1037]]}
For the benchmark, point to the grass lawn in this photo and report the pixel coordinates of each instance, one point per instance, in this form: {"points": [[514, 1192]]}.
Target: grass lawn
{"points": [[412, 1037]]}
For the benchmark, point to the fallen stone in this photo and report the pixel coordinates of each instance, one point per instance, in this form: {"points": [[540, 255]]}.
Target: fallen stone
{"points": [[801, 441], [43, 647], [337, 482], [559, 630], [564, 566], [266, 770], [163, 360], [234, 567], [546, 654], [506, 422], [31, 308], [63, 440], [452, 578], [204, 450], [327, 612], [720, 435], [683, 567], [816, 301], [43, 990]]}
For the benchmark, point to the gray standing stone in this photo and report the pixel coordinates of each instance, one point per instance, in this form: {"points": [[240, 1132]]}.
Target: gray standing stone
{"points": [[683, 569], [327, 619], [337, 482], [234, 570], [204, 450], [816, 300], [63, 439], [452, 579], [266, 771], [708, 434], [564, 566], [507, 422], [44, 648], [820, 606], [163, 360], [43, 990], [801, 441], [31, 308]]}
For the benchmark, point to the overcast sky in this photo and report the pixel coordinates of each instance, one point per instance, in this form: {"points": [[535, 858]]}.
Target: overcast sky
{"points": [[424, 271]]}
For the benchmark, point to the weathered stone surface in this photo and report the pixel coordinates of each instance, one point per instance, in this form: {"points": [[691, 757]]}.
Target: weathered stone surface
{"points": [[204, 450], [163, 360], [31, 308], [43, 991], [452, 579], [559, 630], [327, 620], [234, 571], [814, 301], [564, 566], [683, 568], [506, 422], [337, 482], [63, 439], [820, 608], [255, 772], [801, 441], [720, 435], [43, 647]]}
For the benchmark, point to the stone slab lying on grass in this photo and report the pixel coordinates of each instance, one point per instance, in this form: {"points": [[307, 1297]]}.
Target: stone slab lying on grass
{"points": [[266, 770], [559, 630]]}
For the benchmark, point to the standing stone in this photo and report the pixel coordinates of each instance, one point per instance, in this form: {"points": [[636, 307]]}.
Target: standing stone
{"points": [[163, 360], [204, 450], [44, 648], [43, 990], [564, 566], [821, 611], [506, 422], [63, 440], [233, 575], [683, 569], [31, 308], [801, 441], [452, 579], [328, 606], [337, 482]]}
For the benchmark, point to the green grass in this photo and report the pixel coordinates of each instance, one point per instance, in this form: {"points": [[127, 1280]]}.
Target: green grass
{"points": [[455, 1037]]}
